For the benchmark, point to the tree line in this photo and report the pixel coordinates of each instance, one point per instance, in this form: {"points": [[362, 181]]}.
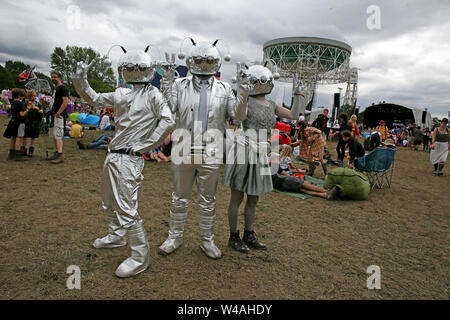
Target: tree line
{"points": [[64, 60]]}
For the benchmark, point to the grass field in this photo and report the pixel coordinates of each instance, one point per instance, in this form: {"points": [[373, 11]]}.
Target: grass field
{"points": [[317, 249]]}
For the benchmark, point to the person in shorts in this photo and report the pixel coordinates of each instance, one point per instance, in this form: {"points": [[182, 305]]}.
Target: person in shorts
{"points": [[16, 126], [57, 114]]}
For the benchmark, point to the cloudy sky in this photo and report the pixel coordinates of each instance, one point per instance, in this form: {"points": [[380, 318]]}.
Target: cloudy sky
{"points": [[405, 61]]}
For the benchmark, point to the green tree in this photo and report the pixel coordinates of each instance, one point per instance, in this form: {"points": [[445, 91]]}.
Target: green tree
{"points": [[6, 78], [100, 76], [436, 122], [12, 71]]}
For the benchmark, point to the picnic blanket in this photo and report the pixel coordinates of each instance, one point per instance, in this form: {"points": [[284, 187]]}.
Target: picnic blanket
{"points": [[314, 181]]}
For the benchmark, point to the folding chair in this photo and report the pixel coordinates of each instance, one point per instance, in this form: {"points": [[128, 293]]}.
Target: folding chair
{"points": [[378, 166]]}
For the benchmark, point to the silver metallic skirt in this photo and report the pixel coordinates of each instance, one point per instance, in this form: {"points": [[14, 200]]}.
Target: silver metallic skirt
{"points": [[245, 167]]}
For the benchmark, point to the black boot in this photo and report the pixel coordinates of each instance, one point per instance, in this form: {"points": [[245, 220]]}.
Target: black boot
{"points": [[435, 168], [11, 154], [30, 151], [236, 243], [441, 167], [23, 150], [81, 145], [19, 156], [251, 241]]}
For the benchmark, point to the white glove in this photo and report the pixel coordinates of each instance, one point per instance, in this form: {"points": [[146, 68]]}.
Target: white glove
{"points": [[168, 69], [83, 68], [242, 77]]}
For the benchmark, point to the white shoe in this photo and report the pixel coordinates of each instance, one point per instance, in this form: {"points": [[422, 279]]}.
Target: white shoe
{"points": [[139, 260]]}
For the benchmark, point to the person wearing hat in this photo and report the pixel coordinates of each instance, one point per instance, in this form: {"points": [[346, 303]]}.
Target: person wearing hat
{"points": [[439, 147], [383, 130], [389, 143], [283, 136]]}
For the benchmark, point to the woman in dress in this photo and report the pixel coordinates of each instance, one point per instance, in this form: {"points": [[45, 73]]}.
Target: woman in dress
{"points": [[439, 147], [248, 168], [354, 124]]}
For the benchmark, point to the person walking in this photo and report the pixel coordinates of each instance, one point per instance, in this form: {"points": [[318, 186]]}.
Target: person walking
{"points": [[439, 147]]}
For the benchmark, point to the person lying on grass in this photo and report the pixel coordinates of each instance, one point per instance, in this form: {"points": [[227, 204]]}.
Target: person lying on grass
{"points": [[101, 143], [296, 184], [156, 155]]}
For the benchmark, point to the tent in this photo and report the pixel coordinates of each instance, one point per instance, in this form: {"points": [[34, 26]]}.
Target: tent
{"points": [[89, 119], [395, 114], [73, 116]]}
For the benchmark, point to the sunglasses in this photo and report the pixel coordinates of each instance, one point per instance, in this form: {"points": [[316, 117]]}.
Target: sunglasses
{"points": [[201, 60], [262, 80], [142, 67]]}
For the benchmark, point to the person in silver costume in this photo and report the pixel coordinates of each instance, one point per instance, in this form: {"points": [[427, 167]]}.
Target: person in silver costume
{"points": [[249, 176], [143, 119], [200, 103]]}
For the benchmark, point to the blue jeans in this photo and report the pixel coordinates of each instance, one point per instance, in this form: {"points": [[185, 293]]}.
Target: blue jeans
{"points": [[101, 143]]}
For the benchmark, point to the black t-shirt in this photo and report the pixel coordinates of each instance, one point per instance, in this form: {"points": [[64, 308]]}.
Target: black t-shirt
{"points": [[355, 150], [16, 108], [342, 127], [60, 92]]}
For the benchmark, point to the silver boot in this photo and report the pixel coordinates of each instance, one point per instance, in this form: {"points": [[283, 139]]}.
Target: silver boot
{"points": [[139, 259], [115, 237], [206, 224], [175, 238]]}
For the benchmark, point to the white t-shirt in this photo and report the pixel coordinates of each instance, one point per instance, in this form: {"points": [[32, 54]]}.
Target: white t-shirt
{"points": [[105, 122]]}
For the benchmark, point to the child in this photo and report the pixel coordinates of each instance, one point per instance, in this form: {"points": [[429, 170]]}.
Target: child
{"points": [[33, 122], [287, 168], [16, 126]]}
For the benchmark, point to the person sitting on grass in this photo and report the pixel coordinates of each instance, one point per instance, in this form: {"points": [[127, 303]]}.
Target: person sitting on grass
{"points": [[286, 165], [77, 130], [101, 143], [373, 141], [355, 149], [156, 155], [105, 123]]}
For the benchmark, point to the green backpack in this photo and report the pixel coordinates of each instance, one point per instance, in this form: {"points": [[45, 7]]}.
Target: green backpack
{"points": [[350, 183]]}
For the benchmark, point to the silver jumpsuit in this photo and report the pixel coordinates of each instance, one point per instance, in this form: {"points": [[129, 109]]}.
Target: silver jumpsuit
{"points": [[143, 119], [222, 104]]}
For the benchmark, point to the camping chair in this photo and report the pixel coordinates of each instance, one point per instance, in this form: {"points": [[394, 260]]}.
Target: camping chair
{"points": [[378, 166]]}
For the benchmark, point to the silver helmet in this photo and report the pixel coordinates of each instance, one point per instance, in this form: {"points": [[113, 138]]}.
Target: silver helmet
{"points": [[204, 58], [261, 80], [136, 67]]}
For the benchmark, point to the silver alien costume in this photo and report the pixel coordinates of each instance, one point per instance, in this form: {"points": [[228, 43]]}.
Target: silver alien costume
{"points": [[143, 119], [200, 99], [253, 175]]}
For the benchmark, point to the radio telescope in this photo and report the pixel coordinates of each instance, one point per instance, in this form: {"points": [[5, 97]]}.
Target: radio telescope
{"points": [[314, 61]]}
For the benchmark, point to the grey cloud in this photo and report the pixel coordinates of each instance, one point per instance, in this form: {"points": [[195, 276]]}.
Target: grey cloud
{"points": [[246, 26]]}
